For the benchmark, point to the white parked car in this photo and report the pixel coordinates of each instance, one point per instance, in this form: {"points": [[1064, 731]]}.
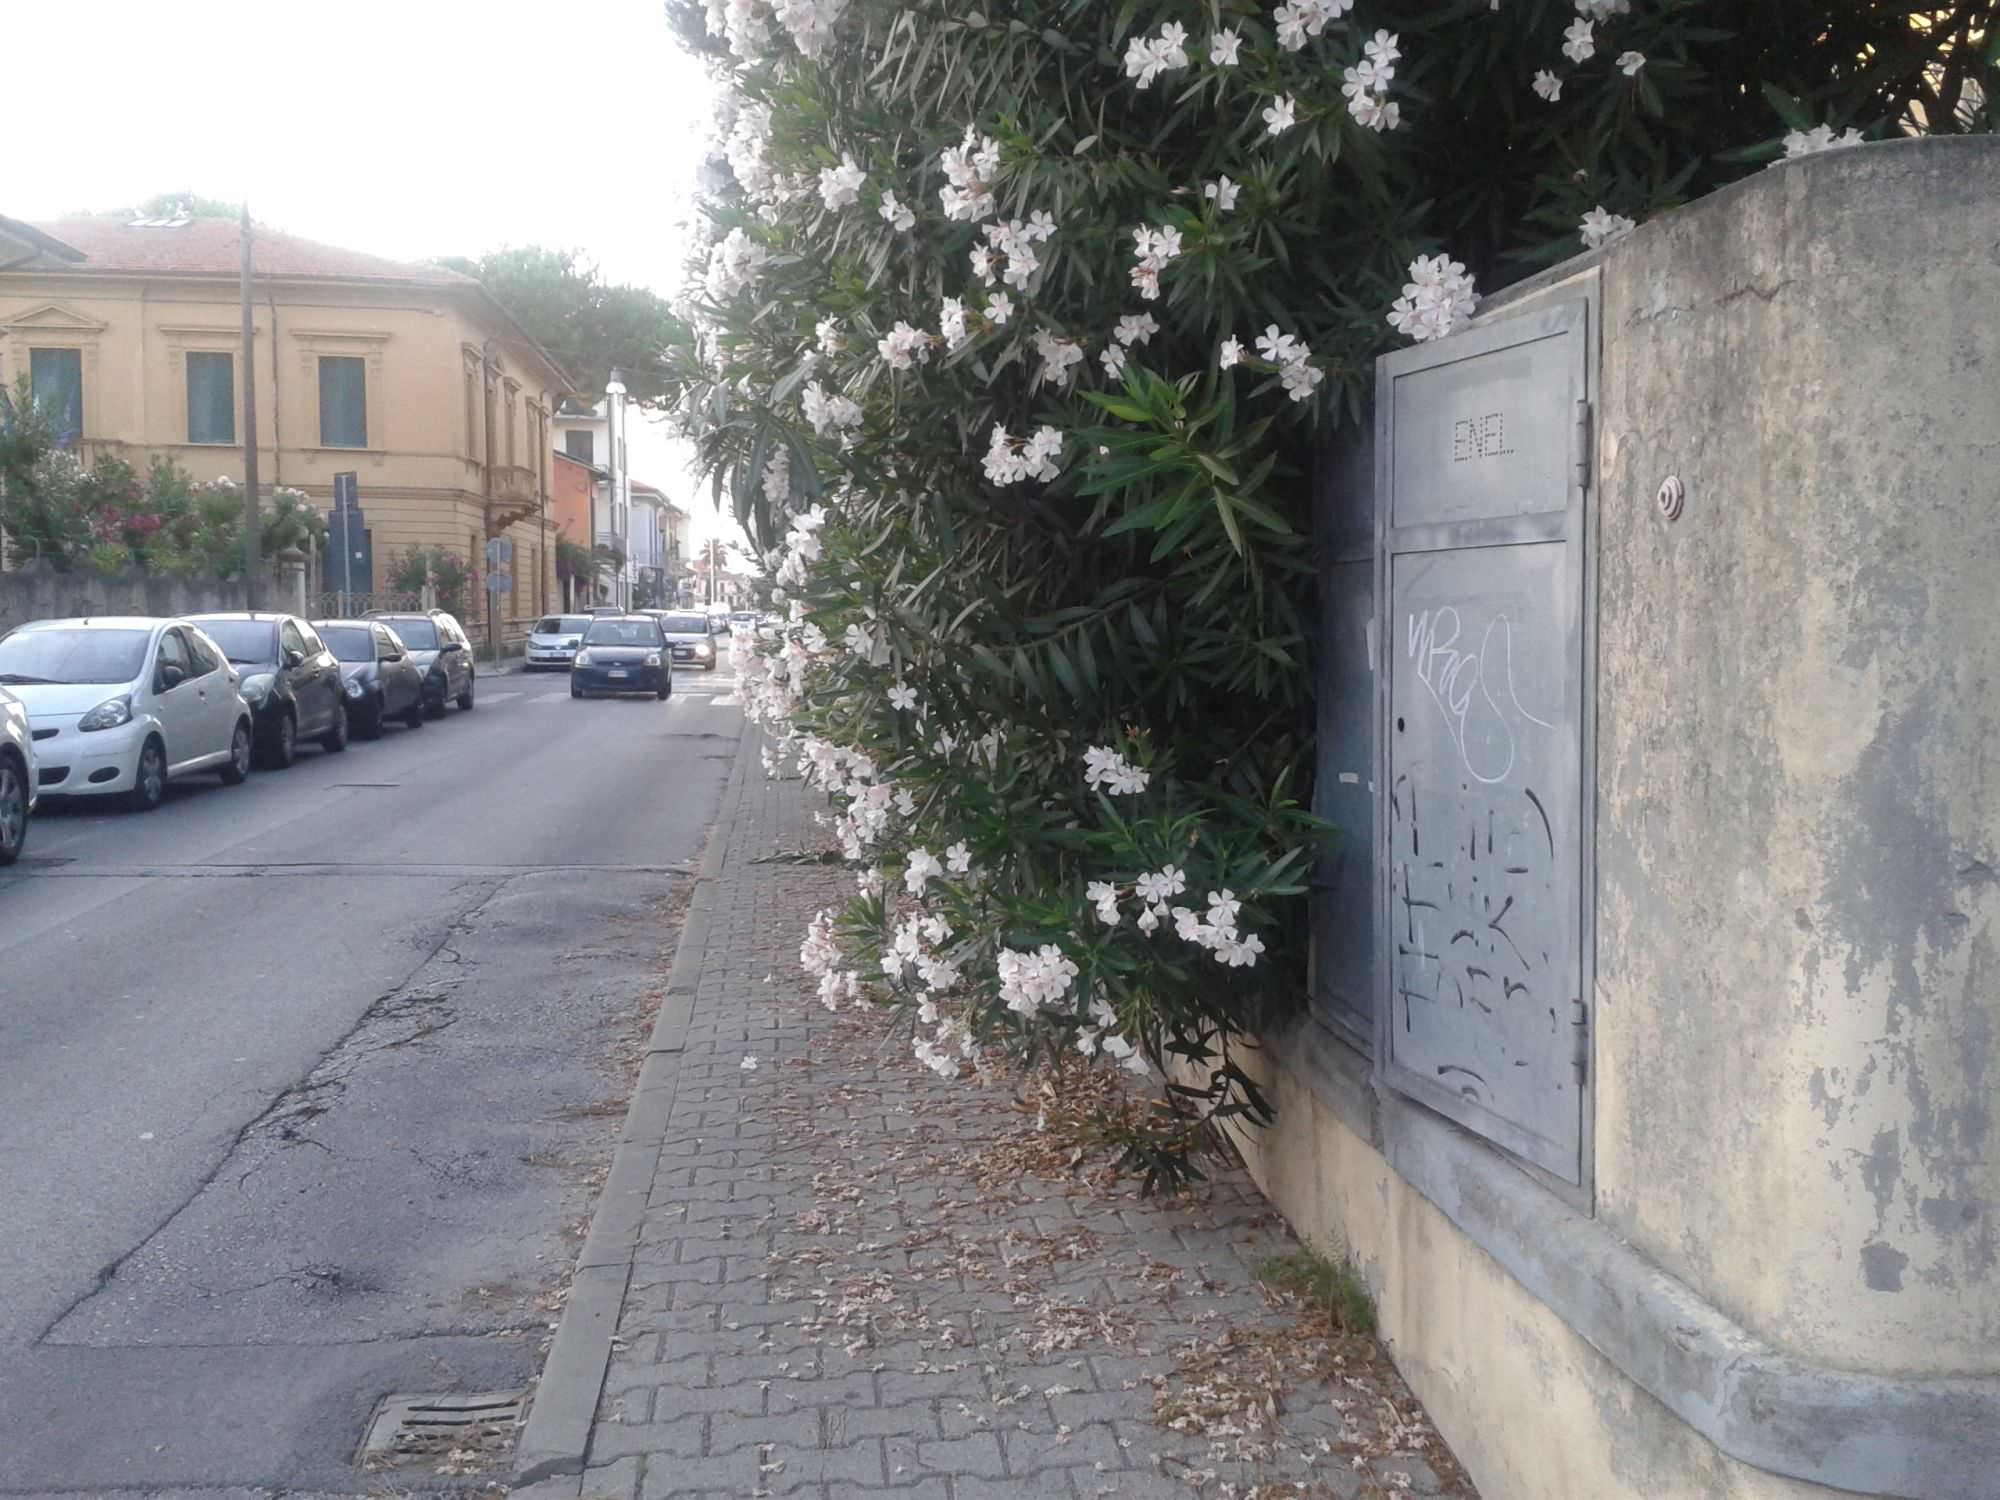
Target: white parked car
{"points": [[120, 706], [17, 777]]}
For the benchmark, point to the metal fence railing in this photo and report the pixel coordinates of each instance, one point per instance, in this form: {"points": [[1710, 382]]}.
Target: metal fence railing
{"points": [[337, 606]]}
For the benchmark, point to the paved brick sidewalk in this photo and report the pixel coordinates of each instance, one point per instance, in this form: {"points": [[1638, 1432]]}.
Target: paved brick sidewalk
{"points": [[852, 1278]]}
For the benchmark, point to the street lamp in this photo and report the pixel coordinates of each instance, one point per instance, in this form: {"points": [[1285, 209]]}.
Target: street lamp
{"points": [[621, 498]]}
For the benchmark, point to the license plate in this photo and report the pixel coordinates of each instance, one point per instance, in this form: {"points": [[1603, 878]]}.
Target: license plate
{"points": [[616, 672]]}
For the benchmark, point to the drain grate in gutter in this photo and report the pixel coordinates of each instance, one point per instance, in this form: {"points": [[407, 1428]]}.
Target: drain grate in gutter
{"points": [[453, 1433], [362, 786]]}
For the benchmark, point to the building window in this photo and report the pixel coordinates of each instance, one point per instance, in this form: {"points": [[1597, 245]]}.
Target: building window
{"points": [[510, 428], [471, 419], [211, 382], [343, 402], [580, 442], [56, 381]]}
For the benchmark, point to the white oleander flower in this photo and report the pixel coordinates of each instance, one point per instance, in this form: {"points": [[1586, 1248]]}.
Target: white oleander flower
{"points": [[904, 346], [841, 185], [1232, 352], [1435, 300], [1104, 767], [1058, 356], [1222, 192], [1630, 63], [1224, 48], [897, 213], [951, 322], [778, 476], [1600, 228], [1136, 328], [1280, 116], [958, 859], [1579, 45], [1820, 138], [1113, 360], [1373, 112], [921, 868], [1548, 85], [902, 697], [999, 308]]}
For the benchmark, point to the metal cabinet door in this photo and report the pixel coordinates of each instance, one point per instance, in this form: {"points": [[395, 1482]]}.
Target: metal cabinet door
{"points": [[1482, 468]]}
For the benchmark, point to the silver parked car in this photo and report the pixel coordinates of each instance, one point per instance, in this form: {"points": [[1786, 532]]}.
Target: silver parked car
{"points": [[17, 777], [119, 706]]}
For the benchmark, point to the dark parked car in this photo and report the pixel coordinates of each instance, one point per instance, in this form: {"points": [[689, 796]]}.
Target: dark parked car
{"points": [[438, 646], [382, 682], [290, 681], [622, 655]]}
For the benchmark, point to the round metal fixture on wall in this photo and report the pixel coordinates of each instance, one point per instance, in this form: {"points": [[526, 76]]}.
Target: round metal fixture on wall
{"points": [[1672, 497]]}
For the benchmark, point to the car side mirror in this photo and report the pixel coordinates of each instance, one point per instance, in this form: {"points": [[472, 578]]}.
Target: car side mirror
{"points": [[294, 657], [171, 677]]}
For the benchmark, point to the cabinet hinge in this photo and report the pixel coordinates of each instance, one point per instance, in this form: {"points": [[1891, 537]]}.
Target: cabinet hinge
{"points": [[1579, 1040], [1580, 445]]}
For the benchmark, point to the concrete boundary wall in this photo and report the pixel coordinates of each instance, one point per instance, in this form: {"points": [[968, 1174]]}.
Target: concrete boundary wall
{"points": [[1783, 1278], [39, 592]]}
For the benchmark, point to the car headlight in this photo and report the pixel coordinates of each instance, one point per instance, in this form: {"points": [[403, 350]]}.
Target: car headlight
{"points": [[704, 649], [353, 688], [108, 715], [256, 688], [653, 660], [583, 658]]}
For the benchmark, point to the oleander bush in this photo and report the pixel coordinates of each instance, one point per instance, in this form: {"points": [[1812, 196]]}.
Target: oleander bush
{"points": [[1018, 331]]}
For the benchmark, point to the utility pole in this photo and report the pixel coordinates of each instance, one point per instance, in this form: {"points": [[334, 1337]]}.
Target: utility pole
{"points": [[253, 541]]}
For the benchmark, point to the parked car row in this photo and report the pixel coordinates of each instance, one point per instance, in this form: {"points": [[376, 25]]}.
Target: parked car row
{"points": [[120, 706]]}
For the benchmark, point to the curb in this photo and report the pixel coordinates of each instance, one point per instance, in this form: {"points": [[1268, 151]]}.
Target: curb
{"points": [[556, 1438]]}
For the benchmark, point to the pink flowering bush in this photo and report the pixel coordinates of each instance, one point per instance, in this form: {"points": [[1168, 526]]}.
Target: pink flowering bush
{"points": [[1019, 332]]}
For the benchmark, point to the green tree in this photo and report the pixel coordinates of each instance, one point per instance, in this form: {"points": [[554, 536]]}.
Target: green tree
{"points": [[161, 205], [590, 325]]}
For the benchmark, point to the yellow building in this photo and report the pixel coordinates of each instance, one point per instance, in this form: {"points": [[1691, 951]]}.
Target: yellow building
{"points": [[409, 376]]}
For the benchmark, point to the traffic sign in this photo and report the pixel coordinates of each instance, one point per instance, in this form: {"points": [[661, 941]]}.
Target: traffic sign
{"points": [[346, 490], [499, 552], [499, 583]]}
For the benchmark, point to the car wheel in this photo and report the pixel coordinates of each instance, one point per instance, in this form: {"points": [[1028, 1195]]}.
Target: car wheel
{"points": [[575, 691], [465, 698], [419, 711], [236, 770], [335, 739], [149, 789], [281, 742], [372, 718], [434, 707], [666, 686], [13, 809]]}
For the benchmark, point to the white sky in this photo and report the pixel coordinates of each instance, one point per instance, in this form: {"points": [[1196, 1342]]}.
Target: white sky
{"points": [[405, 128]]}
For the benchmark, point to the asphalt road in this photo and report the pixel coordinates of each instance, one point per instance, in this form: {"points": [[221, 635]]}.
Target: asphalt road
{"points": [[302, 1083]]}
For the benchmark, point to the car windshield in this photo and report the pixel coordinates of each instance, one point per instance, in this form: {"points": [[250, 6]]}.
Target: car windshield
{"points": [[349, 642], [563, 625], [684, 624], [623, 633], [29, 658], [418, 635], [248, 643]]}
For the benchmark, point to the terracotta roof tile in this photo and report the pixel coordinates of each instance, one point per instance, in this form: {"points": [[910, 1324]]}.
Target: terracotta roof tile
{"points": [[213, 247]]}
